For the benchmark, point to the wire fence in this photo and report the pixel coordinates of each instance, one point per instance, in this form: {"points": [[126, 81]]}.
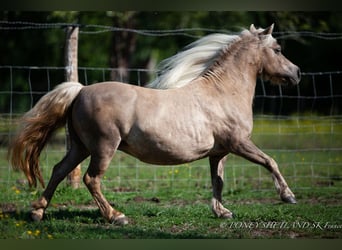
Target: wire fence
{"points": [[324, 97], [94, 29], [300, 127], [307, 145]]}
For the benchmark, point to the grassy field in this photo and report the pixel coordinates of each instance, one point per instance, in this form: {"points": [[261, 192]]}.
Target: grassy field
{"points": [[173, 201], [73, 214]]}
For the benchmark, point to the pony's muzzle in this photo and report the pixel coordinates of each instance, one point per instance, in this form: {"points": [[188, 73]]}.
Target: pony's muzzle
{"points": [[295, 76]]}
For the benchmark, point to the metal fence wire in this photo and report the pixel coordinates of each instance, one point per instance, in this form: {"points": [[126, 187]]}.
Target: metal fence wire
{"points": [[307, 143], [300, 127]]}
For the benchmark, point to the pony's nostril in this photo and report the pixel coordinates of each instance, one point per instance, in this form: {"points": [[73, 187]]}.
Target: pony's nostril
{"points": [[298, 74]]}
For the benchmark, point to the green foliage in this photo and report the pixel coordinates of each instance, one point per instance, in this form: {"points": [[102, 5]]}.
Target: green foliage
{"points": [[48, 44], [45, 47]]}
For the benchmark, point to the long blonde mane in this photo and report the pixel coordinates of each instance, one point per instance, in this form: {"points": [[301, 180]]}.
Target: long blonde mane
{"points": [[184, 67]]}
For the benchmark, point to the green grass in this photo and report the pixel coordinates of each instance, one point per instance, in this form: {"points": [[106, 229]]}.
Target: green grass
{"points": [[173, 201], [258, 215]]}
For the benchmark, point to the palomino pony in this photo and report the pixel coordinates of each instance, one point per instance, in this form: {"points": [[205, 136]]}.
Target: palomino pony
{"points": [[199, 106]]}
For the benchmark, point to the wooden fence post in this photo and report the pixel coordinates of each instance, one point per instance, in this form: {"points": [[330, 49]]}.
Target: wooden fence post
{"points": [[71, 75]]}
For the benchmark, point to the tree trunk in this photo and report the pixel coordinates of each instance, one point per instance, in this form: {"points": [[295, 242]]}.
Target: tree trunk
{"points": [[123, 45]]}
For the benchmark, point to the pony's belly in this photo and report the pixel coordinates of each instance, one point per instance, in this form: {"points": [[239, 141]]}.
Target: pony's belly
{"points": [[162, 155]]}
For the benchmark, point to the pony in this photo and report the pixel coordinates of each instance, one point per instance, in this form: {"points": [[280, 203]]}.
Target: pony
{"points": [[199, 105]]}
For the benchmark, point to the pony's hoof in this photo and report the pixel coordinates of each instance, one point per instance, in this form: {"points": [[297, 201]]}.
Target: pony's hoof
{"points": [[227, 215], [289, 199], [120, 221], [37, 215]]}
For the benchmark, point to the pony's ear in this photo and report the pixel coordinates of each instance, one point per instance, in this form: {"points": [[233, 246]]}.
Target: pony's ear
{"points": [[268, 31], [252, 28]]}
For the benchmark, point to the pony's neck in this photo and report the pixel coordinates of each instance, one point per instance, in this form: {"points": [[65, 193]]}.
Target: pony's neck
{"points": [[236, 70]]}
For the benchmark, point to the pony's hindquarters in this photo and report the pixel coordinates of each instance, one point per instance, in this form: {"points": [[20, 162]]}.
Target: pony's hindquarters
{"points": [[36, 127]]}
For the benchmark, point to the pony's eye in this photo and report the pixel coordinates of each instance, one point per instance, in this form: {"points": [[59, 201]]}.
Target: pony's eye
{"points": [[277, 50]]}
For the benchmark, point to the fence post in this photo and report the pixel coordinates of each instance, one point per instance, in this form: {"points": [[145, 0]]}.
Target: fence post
{"points": [[71, 75]]}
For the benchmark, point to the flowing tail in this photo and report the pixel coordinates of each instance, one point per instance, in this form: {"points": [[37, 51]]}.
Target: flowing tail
{"points": [[36, 127]]}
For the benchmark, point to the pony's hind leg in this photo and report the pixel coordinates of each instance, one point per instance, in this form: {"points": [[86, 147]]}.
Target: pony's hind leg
{"points": [[76, 155], [98, 165], [217, 170]]}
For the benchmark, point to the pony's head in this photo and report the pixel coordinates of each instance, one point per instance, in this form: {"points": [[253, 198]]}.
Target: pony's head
{"points": [[275, 67]]}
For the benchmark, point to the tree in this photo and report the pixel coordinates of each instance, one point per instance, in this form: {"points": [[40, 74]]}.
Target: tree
{"points": [[123, 44]]}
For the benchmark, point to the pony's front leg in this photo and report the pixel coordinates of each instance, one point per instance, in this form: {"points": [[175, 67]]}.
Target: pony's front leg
{"points": [[249, 151], [217, 171]]}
